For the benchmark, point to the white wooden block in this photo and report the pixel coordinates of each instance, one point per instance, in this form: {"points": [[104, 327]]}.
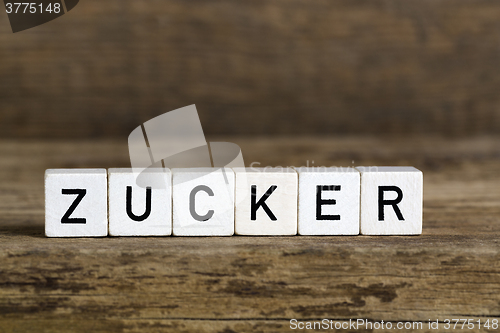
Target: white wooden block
{"points": [[391, 200], [203, 201], [144, 210], [76, 203], [272, 210], [328, 201]]}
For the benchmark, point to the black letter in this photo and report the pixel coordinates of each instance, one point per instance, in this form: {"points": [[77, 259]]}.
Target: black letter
{"points": [[81, 193], [393, 203], [129, 205], [262, 203], [320, 202], [195, 215]]}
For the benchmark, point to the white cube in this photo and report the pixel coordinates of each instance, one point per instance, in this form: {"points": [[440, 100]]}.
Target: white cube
{"points": [[391, 200], [140, 210], [203, 201], [328, 201], [266, 201], [76, 203]]}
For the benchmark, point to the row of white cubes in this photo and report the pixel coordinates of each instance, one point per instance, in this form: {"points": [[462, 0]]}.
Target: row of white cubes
{"points": [[242, 201]]}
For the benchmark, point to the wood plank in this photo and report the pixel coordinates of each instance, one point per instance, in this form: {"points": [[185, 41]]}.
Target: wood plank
{"points": [[180, 325], [214, 284], [256, 67], [396, 278]]}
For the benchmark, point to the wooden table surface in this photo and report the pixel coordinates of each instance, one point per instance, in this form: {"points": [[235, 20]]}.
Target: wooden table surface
{"points": [[256, 284]]}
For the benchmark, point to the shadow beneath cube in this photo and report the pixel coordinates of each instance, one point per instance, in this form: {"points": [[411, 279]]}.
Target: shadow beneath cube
{"points": [[37, 231]]}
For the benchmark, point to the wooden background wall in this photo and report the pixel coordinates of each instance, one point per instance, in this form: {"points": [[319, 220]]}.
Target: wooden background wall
{"points": [[256, 67]]}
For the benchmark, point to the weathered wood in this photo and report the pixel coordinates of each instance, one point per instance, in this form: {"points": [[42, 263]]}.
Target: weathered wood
{"points": [[256, 284], [256, 67]]}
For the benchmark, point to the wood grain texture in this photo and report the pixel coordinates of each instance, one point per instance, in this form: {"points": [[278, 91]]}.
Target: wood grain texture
{"points": [[256, 284], [256, 67]]}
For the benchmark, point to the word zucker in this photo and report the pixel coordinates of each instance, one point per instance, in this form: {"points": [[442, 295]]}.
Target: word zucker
{"points": [[225, 201]]}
